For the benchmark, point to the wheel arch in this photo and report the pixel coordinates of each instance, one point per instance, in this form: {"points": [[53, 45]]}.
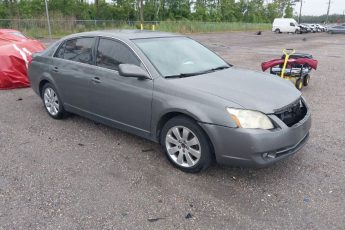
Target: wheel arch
{"points": [[168, 115], [44, 79], [41, 85]]}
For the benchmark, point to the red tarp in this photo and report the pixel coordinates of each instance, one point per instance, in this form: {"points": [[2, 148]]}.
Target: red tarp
{"points": [[15, 51], [299, 61]]}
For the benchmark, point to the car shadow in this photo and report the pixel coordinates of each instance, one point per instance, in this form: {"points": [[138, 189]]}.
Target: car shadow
{"points": [[148, 158]]}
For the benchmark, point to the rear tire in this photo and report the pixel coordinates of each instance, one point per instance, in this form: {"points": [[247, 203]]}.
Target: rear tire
{"points": [[52, 102], [186, 145], [277, 31]]}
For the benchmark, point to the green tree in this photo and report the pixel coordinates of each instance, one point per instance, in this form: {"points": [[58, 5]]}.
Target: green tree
{"points": [[152, 10], [228, 10]]}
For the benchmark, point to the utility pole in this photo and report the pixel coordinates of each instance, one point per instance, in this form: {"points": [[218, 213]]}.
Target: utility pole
{"points": [[141, 12], [48, 21], [300, 12], [329, 6]]}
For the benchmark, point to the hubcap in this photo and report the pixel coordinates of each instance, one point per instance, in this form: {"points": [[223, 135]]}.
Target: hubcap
{"points": [[183, 146], [51, 101]]}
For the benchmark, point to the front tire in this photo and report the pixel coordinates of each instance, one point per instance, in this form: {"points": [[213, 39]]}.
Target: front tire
{"points": [[299, 84], [52, 102], [186, 145]]}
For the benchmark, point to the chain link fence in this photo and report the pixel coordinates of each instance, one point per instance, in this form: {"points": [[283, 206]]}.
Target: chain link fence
{"points": [[38, 28]]}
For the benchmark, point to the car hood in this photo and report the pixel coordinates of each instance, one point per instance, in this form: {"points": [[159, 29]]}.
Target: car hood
{"points": [[249, 89]]}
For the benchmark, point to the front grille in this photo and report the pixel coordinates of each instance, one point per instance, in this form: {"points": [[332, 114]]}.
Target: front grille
{"points": [[293, 113]]}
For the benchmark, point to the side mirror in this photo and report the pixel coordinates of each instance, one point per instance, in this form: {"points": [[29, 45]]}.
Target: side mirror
{"points": [[129, 70]]}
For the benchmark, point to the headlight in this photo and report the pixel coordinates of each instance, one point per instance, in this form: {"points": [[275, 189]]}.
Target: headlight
{"points": [[249, 119]]}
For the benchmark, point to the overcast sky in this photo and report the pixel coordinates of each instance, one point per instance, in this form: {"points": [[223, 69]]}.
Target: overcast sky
{"points": [[319, 7]]}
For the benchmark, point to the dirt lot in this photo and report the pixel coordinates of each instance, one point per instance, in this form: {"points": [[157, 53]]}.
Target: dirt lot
{"points": [[75, 174]]}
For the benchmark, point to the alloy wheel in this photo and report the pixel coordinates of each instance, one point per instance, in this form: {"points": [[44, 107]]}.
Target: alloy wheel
{"points": [[51, 101], [183, 146]]}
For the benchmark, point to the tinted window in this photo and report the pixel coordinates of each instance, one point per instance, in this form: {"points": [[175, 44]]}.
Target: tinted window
{"points": [[292, 24], [79, 50], [59, 53], [110, 54]]}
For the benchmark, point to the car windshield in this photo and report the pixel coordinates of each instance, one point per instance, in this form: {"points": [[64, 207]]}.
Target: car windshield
{"points": [[180, 56]]}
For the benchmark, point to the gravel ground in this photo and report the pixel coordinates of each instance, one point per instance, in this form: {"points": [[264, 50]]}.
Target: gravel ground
{"points": [[75, 174]]}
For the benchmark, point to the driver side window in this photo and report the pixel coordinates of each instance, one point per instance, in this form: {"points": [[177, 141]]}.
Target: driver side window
{"points": [[110, 54]]}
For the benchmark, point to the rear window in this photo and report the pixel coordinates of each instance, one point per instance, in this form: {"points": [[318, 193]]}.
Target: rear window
{"points": [[60, 52], [78, 50]]}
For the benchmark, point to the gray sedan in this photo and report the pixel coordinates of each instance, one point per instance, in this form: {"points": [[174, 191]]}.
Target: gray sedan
{"points": [[337, 30], [172, 90]]}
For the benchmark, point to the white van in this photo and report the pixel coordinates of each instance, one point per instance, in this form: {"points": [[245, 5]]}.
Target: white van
{"points": [[285, 25]]}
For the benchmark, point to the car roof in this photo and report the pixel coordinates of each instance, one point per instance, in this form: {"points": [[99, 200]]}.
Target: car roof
{"points": [[126, 34]]}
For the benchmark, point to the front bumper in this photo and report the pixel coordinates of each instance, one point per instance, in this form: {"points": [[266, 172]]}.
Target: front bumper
{"points": [[257, 148]]}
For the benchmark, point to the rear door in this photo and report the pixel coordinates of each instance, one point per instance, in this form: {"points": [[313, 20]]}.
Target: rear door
{"points": [[72, 71], [123, 101]]}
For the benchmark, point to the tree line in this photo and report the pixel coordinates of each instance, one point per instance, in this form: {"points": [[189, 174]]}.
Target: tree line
{"points": [[252, 11]]}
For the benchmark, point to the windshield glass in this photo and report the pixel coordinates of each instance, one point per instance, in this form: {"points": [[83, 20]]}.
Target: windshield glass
{"points": [[180, 56]]}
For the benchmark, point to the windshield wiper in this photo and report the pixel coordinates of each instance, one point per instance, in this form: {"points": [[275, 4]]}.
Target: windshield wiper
{"points": [[221, 68], [182, 75]]}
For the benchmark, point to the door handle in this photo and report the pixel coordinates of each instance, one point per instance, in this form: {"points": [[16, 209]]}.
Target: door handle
{"points": [[56, 69], [96, 80]]}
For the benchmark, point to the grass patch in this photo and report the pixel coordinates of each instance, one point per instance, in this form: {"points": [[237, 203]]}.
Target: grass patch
{"points": [[207, 27], [39, 28]]}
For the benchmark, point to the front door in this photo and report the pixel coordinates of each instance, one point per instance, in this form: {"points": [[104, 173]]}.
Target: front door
{"points": [[124, 101]]}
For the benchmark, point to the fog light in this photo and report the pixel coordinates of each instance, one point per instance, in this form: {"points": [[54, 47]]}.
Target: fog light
{"points": [[269, 156]]}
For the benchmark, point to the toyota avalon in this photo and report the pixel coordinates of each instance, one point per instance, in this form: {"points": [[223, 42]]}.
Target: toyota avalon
{"points": [[172, 90]]}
